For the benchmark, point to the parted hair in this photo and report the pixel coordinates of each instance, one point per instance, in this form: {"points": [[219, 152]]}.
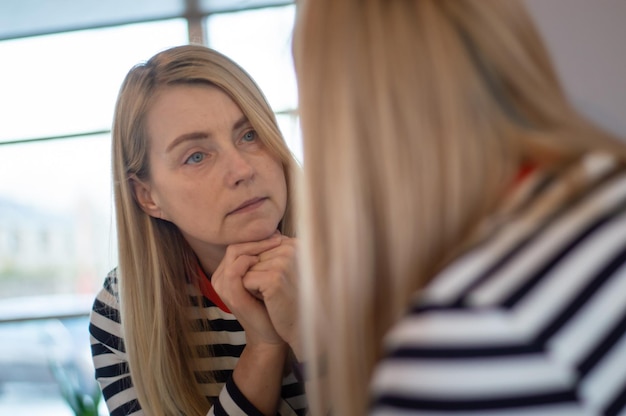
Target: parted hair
{"points": [[155, 262], [416, 116]]}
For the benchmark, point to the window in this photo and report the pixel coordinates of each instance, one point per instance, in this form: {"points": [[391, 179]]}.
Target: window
{"points": [[264, 51], [57, 239], [64, 85]]}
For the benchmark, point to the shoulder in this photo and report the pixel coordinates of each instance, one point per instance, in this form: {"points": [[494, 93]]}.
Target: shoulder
{"points": [[535, 310], [105, 321], [107, 302], [545, 261], [111, 283]]}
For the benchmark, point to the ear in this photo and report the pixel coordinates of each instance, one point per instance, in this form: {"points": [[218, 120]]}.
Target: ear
{"points": [[143, 196]]}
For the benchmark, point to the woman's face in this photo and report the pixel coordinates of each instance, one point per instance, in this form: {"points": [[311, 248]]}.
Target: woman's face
{"points": [[210, 174]]}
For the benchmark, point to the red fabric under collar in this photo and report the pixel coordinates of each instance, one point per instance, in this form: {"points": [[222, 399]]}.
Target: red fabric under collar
{"points": [[209, 292], [523, 172]]}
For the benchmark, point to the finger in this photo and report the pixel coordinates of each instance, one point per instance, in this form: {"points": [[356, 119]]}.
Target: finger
{"points": [[272, 263], [251, 248], [226, 277], [240, 266], [279, 299], [266, 284], [287, 248], [258, 281], [236, 266]]}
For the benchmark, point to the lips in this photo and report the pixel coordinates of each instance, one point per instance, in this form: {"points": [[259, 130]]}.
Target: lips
{"points": [[248, 205]]}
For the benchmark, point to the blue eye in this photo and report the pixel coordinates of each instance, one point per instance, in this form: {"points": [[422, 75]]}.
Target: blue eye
{"points": [[197, 157], [249, 136]]}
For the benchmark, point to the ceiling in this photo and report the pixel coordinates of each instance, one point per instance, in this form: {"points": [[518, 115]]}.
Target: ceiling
{"points": [[38, 17]]}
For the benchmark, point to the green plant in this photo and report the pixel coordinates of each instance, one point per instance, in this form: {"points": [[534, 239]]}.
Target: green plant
{"points": [[83, 403]]}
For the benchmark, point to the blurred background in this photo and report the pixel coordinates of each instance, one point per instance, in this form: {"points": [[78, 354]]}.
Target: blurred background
{"points": [[61, 65]]}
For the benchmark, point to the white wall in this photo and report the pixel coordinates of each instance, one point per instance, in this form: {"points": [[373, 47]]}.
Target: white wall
{"points": [[587, 41]]}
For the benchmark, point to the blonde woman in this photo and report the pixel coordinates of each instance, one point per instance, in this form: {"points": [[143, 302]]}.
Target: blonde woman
{"points": [[199, 318], [465, 227]]}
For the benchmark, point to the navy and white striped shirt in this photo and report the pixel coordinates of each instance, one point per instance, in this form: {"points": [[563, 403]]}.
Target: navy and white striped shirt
{"points": [[531, 320], [228, 337]]}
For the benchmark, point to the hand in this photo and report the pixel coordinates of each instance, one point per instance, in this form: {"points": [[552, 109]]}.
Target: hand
{"points": [[273, 280], [228, 281]]}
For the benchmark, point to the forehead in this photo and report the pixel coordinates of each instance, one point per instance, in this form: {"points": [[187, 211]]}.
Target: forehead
{"points": [[191, 99], [181, 109]]}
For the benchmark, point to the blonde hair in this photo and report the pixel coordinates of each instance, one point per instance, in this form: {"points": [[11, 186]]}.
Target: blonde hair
{"points": [[155, 262], [415, 116]]}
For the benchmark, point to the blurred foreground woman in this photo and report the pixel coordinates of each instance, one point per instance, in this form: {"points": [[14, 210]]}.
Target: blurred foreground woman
{"points": [[465, 226]]}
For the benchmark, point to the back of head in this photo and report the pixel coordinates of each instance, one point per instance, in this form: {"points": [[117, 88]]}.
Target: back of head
{"points": [[415, 115], [155, 262]]}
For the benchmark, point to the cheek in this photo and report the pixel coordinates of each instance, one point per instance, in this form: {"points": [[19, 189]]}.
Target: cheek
{"points": [[281, 186], [193, 203]]}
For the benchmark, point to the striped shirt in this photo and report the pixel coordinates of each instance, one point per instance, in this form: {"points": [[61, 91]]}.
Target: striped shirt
{"points": [[112, 373], [532, 319]]}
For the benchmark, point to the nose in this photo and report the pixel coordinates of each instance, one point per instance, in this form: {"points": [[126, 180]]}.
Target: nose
{"points": [[239, 169]]}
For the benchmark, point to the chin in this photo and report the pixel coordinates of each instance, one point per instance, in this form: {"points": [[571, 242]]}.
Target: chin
{"points": [[259, 233]]}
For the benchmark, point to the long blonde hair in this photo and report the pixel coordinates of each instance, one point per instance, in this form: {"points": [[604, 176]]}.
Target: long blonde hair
{"points": [[155, 262], [415, 116]]}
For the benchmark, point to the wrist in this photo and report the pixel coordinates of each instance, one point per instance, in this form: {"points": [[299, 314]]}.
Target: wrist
{"points": [[303, 372], [267, 349], [258, 374], [296, 348]]}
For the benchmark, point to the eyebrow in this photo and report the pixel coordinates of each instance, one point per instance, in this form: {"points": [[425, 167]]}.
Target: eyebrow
{"points": [[243, 120], [200, 135]]}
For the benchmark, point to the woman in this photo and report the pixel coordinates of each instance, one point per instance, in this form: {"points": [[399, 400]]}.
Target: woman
{"points": [[199, 317], [465, 227]]}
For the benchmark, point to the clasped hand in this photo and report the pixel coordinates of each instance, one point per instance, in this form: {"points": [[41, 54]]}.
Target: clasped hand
{"points": [[257, 281]]}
